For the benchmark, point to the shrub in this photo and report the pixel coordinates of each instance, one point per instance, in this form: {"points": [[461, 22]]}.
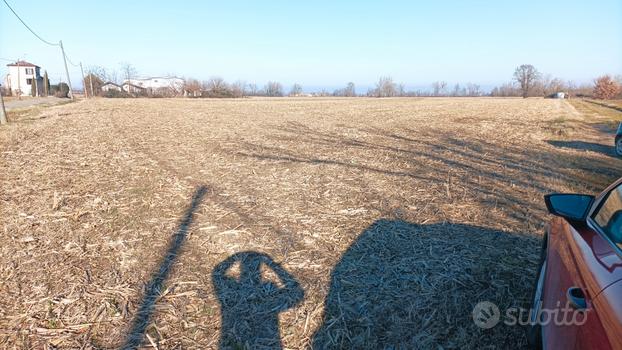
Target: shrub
{"points": [[606, 88], [115, 94]]}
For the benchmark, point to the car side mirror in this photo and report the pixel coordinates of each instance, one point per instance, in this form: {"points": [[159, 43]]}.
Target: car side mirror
{"points": [[574, 207]]}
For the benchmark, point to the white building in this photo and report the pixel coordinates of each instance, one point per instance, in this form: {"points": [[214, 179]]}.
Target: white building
{"points": [[109, 86], [169, 85], [133, 88], [24, 77]]}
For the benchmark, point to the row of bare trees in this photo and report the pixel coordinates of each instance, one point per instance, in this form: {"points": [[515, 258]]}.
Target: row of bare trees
{"points": [[386, 87], [217, 87], [528, 82]]}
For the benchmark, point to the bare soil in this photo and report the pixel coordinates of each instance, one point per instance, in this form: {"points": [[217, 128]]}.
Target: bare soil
{"points": [[258, 223]]}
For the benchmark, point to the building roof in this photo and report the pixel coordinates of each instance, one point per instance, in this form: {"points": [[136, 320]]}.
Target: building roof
{"points": [[22, 63], [132, 85], [151, 78], [110, 83]]}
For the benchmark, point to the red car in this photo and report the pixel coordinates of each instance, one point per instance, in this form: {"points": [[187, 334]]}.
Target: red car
{"points": [[577, 299]]}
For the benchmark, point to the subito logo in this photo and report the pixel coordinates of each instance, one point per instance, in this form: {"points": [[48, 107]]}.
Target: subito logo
{"points": [[486, 314]]}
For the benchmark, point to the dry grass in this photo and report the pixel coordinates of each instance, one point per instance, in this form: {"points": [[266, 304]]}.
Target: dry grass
{"points": [[373, 223], [607, 114]]}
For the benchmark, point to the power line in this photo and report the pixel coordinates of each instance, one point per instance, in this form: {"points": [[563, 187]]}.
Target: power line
{"points": [[26, 25], [59, 44], [71, 63]]}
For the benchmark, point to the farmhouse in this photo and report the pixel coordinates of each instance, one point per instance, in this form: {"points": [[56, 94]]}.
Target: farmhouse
{"points": [[132, 88], [110, 86], [156, 85], [24, 79]]}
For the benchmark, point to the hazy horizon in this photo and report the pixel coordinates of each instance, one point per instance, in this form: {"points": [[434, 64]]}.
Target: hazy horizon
{"points": [[322, 45]]}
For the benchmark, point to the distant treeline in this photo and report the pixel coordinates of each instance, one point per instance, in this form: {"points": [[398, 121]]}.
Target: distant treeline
{"points": [[526, 82]]}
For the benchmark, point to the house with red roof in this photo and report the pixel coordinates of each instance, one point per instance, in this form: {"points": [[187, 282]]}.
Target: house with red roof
{"points": [[24, 79]]}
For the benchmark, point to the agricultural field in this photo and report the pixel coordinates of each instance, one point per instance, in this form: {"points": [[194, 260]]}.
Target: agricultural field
{"points": [[300, 222]]}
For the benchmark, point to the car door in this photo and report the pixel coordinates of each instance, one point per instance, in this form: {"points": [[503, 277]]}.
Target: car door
{"points": [[564, 273], [581, 263], [606, 220]]}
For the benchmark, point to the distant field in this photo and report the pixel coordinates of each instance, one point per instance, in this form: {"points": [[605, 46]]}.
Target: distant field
{"points": [[380, 222]]}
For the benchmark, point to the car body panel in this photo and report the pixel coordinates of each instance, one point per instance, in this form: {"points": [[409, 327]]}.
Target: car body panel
{"points": [[610, 311], [580, 256], [568, 261]]}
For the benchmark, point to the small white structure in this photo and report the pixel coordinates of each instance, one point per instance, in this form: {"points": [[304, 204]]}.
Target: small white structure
{"points": [[110, 86], [560, 94], [132, 88], [156, 85], [24, 78]]}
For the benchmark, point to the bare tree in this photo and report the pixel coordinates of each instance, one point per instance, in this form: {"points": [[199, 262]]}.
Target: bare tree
{"points": [[128, 71], [401, 90], [526, 75], [456, 91], [252, 89], [296, 90], [556, 85], [238, 89], [273, 89], [216, 87], [606, 88], [46, 84], [192, 87], [506, 90], [440, 88], [473, 90], [385, 87], [101, 73], [350, 90], [92, 84]]}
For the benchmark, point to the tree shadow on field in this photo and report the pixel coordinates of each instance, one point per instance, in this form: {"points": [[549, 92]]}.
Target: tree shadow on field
{"points": [[585, 146], [252, 290], [403, 286], [498, 172], [152, 290]]}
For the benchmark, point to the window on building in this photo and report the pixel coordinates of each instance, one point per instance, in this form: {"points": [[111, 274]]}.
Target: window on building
{"points": [[29, 81], [29, 71]]}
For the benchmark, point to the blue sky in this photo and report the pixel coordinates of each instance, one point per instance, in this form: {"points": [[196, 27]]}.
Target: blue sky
{"points": [[323, 43]]}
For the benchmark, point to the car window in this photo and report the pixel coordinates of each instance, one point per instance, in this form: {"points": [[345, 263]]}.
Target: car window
{"points": [[609, 215]]}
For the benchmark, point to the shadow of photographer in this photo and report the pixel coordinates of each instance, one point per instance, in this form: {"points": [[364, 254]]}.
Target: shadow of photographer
{"points": [[252, 290]]}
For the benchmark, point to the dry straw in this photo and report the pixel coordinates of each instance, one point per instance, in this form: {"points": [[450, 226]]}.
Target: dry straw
{"points": [[392, 217]]}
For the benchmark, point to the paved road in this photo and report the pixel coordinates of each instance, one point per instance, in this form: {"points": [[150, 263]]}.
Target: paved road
{"points": [[28, 102]]}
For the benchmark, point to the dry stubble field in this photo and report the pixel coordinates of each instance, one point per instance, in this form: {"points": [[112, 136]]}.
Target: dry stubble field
{"points": [[325, 223]]}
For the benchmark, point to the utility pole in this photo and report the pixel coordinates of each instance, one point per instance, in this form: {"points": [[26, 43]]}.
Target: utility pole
{"points": [[83, 82], [66, 69], [91, 83], [2, 111]]}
